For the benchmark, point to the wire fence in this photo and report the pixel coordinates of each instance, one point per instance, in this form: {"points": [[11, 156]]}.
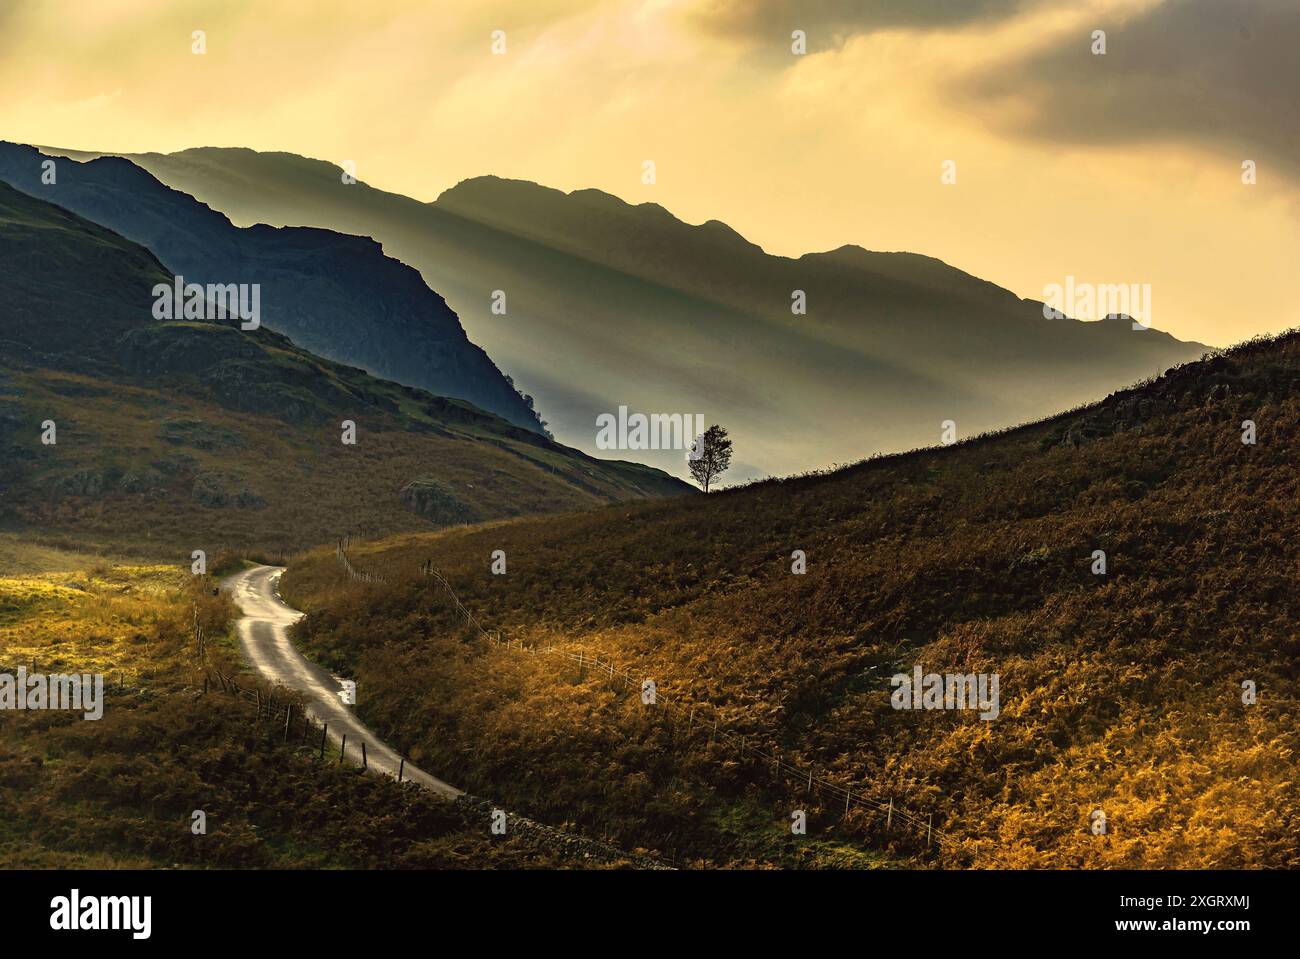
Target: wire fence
{"points": [[356, 575], [300, 729], [269, 707], [699, 717]]}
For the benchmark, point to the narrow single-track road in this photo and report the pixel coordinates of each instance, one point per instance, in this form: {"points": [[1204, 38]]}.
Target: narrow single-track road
{"points": [[264, 641]]}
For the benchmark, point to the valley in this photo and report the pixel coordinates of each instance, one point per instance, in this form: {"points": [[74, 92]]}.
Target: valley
{"points": [[1120, 692]]}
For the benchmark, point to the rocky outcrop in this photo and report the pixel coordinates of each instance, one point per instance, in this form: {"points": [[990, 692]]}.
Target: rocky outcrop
{"points": [[198, 434], [1212, 382], [218, 490], [434, 500], [84, 482]]}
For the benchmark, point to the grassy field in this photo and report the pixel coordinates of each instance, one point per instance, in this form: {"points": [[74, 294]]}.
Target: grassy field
{"points": [[119, 792], [1120, 692], [25, 555]]}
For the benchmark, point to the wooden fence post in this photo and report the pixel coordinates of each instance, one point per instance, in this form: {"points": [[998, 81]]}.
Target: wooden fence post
{"points": [[288, 716], [323, 730], [889, 818], [343, 744], [364, 764], [401, 769]]}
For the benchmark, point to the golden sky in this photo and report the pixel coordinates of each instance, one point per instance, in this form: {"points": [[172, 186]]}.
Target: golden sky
{"points": [[1118, 168]]}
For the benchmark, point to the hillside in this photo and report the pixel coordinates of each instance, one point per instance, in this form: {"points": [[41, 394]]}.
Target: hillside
{"points": [[195, 434], [611, 304], [1120, 691], [120, 792], [335, 295]]}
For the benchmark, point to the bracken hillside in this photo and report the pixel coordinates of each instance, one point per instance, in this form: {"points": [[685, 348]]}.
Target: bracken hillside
{"points": [[1120, 692]]}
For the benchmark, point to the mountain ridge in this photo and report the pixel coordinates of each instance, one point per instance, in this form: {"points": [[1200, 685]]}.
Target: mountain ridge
{"points": [[338, 295], [613, 304], [196, 430]]}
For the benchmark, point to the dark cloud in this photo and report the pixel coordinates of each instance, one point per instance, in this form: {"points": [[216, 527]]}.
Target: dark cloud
{"points": [[828, 23], [1218, 73]]}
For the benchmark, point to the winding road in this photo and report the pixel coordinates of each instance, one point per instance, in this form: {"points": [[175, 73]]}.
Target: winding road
{"points": [[264, 641]]}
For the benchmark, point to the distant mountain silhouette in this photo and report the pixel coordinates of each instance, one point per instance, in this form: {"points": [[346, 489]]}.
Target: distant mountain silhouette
{"points": [[613, 304], [336, 295], [195, 431]]}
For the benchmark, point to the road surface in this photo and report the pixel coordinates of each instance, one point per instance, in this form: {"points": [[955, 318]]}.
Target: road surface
{"points": [[264, 641]]}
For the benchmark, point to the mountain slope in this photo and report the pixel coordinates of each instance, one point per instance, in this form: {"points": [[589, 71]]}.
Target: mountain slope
{"points": [[196, 432], [1121, 688], [611, 304], [338, 296]]}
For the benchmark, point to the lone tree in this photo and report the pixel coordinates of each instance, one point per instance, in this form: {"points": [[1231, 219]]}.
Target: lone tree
{"points": [[710, 455]]}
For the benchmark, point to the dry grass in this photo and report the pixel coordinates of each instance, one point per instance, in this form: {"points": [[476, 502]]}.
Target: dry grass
{"points": [[307, 487], [1119, 692], [119, 792]]}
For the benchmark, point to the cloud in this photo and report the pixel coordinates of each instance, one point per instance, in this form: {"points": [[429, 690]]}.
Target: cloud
{"points": [[829, 23], [1222, 74]]}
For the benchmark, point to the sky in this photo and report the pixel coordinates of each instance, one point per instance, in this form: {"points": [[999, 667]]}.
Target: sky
{"points": [[1122, 167]]}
